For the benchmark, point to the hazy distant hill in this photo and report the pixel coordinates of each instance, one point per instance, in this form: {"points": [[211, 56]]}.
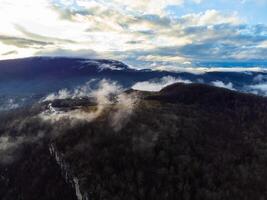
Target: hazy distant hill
{"points": [[24, 81], [185, 142]]}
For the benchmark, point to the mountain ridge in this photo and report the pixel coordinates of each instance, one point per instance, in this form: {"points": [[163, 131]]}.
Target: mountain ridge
{"points": [[217, 150]]}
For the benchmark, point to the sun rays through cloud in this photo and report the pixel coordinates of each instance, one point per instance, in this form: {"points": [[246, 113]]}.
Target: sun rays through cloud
{"points": [[143, 34]]}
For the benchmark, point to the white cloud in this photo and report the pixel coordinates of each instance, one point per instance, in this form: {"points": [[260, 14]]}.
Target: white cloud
{"points": [[210, 17], [152, 58], [109, 66], [137, 6], [124, 108], [158, 84], [9, 104], [260, 78], [9, 145], [108, 96], [262, 86], [101, 95], [260, 89], [135, 31], [223, 85], [61, 94], [263, 45], [82, 91], [202, 70]]}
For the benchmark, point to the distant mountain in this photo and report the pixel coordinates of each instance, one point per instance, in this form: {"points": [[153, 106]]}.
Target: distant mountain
{"points": [[27, 80], [49, 67], [187, 141]]}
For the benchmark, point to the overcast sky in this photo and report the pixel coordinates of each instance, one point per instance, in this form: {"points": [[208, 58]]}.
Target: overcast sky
{"points": [[142, 33]]}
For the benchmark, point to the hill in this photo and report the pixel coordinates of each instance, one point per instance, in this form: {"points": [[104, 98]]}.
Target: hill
{"points": [[25, 81], [188, 141]]}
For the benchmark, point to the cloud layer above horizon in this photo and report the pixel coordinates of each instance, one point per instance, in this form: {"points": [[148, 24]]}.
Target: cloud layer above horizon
{"points": [[158, 34]]}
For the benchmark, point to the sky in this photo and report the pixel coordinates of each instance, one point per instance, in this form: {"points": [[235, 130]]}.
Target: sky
{"points": [[157, 34]]}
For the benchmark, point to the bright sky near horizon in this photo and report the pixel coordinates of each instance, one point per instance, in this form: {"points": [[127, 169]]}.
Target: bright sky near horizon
{"points": [[142, 33]]}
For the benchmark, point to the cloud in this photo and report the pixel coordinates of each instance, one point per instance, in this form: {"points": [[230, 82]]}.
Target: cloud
{"points": [[9, 104], [107, 95], [7, 142], [223, 85], [202, 70], [109, 66], [41, 37], [82, 53], [9, 53], [162, 58], [101, 95], [61, 94], [260, 78], [103, 90], [263, 45], [53, 115], [140, 33], [124, 108], [259, 89], [10, 146], [210, 17], [22, 42], [135, 6], [157, 84]]}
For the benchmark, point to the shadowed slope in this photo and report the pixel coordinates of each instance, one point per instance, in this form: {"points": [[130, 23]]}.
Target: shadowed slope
{"points": [[184, 142]]}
